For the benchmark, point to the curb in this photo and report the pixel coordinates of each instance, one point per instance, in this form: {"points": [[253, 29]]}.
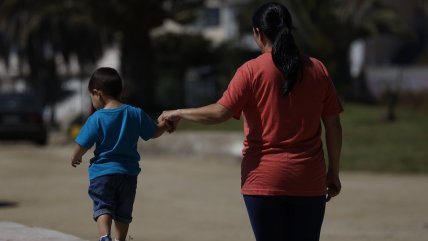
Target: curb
{"points": [[17, 232]]}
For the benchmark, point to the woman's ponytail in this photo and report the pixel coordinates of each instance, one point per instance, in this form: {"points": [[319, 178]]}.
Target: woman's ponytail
{"points": [[286, 57], [274, 20]]}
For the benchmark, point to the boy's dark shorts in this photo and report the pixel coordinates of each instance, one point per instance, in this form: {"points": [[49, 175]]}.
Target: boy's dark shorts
{"points": [[114, 195]]}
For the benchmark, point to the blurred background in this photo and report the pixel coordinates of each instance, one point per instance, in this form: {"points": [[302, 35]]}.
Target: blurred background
{"points": [[183, 53]]}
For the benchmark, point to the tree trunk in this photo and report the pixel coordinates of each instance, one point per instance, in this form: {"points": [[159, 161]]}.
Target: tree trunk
{"points": [[137, 70]]}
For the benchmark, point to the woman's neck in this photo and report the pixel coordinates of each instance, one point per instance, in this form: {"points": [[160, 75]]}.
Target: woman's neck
{"points": [[266, 48]]}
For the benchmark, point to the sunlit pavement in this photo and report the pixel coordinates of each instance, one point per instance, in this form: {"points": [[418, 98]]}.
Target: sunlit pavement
{"points": [[192, 196]]}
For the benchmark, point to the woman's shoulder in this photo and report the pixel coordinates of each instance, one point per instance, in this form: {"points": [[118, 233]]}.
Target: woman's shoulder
{"points": [[257, 63], [311, 61], [313, 64], [261, 59]]}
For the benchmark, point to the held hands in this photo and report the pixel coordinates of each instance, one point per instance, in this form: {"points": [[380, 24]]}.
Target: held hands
{"points": [[166, 125], [333, 186], [170, 119]]}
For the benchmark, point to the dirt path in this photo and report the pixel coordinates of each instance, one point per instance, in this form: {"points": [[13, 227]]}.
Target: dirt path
{"points": [[197, 199]]}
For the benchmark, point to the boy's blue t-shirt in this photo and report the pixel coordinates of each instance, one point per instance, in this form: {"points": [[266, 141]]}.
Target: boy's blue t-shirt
{"points": [[115, 133]]}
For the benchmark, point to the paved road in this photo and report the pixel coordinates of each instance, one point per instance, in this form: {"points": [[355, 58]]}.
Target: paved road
{"points": [[196, 198]]}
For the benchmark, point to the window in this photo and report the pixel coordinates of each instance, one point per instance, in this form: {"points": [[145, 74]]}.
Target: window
{"points": [[211, 17]]}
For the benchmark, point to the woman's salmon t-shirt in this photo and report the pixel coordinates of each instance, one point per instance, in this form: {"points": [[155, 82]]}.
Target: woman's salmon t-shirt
{"points": [[282, 152]]}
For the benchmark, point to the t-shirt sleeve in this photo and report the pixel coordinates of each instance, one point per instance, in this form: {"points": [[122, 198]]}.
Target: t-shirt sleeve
{"points": [[88, 134], [237, 93], [148, 126], [332, 104]]}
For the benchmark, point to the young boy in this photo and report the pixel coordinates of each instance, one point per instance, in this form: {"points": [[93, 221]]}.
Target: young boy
{"points": [[115, 129]]}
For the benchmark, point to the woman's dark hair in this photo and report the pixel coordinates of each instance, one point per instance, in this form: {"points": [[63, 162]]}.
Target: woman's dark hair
{"points": [[274, 20], [107, 80]]}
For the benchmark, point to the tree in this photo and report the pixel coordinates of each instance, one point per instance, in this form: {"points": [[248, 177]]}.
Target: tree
{"points": [[82, 27], [131, 21], [175, 54], [38, 32]]}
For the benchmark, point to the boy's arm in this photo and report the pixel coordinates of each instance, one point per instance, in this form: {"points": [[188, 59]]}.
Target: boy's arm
{"points": [[163, 126], [79, 151]]}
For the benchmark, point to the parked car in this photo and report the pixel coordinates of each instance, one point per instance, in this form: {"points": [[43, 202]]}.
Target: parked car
{"points": [[21, 118]]}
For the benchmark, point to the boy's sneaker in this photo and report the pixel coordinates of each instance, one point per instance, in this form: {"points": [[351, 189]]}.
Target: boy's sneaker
{"points": [[105, 238]]}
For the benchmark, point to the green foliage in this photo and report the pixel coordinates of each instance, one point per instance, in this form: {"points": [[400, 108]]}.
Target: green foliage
{"points": [[416, 101], [82, 27], [182, 50], [38, 32], [369, 143], [175, 54], [30, 26]]}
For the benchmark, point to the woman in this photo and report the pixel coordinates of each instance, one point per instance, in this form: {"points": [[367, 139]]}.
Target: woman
{"points": [[284, 96]]}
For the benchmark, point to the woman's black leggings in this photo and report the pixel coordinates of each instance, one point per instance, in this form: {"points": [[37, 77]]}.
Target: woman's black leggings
{"points": [[286, 218]]}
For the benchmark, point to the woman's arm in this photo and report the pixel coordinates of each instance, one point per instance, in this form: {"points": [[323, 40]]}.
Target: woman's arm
{"points": [[210, 114], [333, 136]]}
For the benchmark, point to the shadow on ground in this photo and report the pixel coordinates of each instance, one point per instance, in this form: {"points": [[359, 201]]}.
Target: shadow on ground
{"points": [[8, 204]]}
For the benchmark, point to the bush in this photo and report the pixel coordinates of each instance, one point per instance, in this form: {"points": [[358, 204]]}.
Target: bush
{"points": [[415, 101]]}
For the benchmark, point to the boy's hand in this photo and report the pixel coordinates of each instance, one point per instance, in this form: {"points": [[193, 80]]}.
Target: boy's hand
{"points": [[169, 126], [171, 120], [75, 162], [172, 125], [77, 155]]}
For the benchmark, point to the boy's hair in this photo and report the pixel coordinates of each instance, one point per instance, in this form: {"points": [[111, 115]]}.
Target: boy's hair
{"points": [[106, 80]]}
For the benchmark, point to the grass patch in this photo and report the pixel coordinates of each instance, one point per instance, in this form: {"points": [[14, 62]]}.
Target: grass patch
{"points": [[369, 143]]}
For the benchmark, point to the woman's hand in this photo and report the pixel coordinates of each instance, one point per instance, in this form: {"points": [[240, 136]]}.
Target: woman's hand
{"points": [[172, 118], [170, 115], [333, 185]]}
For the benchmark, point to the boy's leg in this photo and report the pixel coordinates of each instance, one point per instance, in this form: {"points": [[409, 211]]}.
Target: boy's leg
{"points": [[102, 190], [104, 225], [125, 203], [121, 230]]}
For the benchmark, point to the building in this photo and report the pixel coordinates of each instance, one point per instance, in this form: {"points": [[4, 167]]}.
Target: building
{"points": [[395, 62], [216, 21]]}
